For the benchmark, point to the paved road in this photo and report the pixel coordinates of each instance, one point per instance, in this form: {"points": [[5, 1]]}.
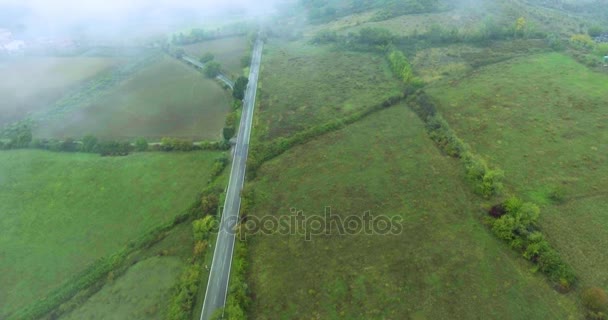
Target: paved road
{"points": [[201, 66], [217, 287]]}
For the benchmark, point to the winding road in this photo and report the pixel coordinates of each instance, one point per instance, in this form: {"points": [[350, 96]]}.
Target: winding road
{"points": [[219, 276]]}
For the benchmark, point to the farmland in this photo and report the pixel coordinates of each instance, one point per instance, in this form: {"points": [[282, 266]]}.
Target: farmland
{"points": [[164, 99], [31, 85], [227, 51], [303, 85], [59, 214], [444, 264], [543, 121]]}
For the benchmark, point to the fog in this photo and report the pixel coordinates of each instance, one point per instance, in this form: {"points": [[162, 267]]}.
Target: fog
{"points": [[116, 18]]}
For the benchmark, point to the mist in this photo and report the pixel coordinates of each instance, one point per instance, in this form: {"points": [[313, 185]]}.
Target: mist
{"points": [[107, 19]]}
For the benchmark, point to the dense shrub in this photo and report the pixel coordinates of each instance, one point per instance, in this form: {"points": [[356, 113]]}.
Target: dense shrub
{"points": [[172, 144], [141, 145], [595, 299], [212, 69], [207, 57], [182, 303], [487, 182], [400, 66], [89, 144], [240, 85], [518, 227], [114, 148]]}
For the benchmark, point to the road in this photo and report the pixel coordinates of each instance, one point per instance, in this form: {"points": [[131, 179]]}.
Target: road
{"points": [[201, 66], [217, 287]]}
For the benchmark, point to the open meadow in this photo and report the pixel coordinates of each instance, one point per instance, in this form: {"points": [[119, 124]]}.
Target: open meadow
{"points": [[30, 85], [443, 265], [164, 99], [61, 212], [304, 85], [542, 119]]}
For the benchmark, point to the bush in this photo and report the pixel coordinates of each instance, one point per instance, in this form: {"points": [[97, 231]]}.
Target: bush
{"points": [[487, 182], [141, 145], [212, 69], [89, 144], [595, 299], [171, 144], [207, 57], [182, 301], [202, 228], [228, 133], [582, 41]]}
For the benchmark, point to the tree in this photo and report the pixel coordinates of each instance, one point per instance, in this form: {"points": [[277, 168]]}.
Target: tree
{"points": [[207, 57], [520, 26], [89, 143], [238, 92], [141, 145], [179, 53], [203, 227], [228, 133], [400, 66], [212, 69]]}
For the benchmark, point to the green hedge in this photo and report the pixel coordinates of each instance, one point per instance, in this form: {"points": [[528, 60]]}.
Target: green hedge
{"points": [[518, 227], [485, 180], [263, 152]]}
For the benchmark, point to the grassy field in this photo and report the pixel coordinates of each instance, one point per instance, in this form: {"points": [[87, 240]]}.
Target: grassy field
{"points": [[143, 291], [444, 265], [543, 119], [227, 51], [30, 85], [303, 85], [60, 212], [167, 98]]}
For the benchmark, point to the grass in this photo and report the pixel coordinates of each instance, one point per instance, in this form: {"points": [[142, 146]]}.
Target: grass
{"points": [[303, 85], [31, 85], [542, 119], [444, 265], [166, 98], [60, 212], [227, 51], [142, 292]]}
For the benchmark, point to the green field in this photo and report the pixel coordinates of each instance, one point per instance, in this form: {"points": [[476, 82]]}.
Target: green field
{"points": [[142, 292], [444, 265], [32, 85], [227, 51], [542, 119], [61, 212], [165, 99], [303, 85]]}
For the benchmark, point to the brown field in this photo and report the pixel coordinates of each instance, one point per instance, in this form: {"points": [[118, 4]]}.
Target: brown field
{"points": [[30, 85]]}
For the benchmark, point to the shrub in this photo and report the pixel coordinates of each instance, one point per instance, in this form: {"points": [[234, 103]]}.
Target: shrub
{"points": [[595, 299], [89, 143], [207, 57], [503, 227], [228, 133], [202, 228], [400, 66], [182, 301], [141, 145], [582, 41], [212, 69]]}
